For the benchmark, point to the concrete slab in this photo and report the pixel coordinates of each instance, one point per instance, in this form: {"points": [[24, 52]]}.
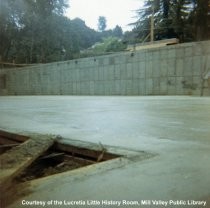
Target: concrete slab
{"points": [[175, 129]]}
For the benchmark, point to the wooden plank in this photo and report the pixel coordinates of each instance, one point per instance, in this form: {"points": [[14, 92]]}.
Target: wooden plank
{"points": [[79, 160], [17, 159], [76, 150], [4, 140], [81, 151], [8, 145], [13, 136]]}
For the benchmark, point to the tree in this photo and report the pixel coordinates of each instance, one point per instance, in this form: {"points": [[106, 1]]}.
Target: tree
{"points": [[101, 23], [117, 31], [201, 19], [40, 29], [28, 29], [10, 14], [37, 31], [186, 19]]}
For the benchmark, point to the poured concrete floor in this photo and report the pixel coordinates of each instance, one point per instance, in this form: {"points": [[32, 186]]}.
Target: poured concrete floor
{"points": [[175, 129]]}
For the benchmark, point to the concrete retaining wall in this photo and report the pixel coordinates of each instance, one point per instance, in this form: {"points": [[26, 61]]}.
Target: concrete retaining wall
{"points": [[170, 70]]}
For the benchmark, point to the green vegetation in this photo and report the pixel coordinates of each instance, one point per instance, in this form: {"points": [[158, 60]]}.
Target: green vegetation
{"points": [[37, 31], [110, 44], [187, 20]]}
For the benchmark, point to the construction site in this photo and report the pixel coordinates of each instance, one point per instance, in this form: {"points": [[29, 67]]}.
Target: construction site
{"points": [[129, 129]]}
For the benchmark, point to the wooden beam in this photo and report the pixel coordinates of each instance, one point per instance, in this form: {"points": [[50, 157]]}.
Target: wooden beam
{"points": [[79, 160], [17, 159], [13, 136], [85, 152], [4, 140]]}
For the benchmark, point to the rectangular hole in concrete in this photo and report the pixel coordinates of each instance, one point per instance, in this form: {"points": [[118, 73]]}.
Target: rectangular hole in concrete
{"points": [[57, 159]]}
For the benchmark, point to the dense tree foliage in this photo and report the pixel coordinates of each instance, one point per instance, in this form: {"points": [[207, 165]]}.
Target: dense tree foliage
{"points": [[29, 30], [117, 31], [187, 20], [37, 31]]}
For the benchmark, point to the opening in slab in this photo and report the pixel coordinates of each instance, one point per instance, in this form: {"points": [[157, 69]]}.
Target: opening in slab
{"points": [[57, 159], [66, 158], [48, 158]]}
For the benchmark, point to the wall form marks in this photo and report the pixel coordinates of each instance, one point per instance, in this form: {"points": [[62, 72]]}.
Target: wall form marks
{"points": [[172, 70]]}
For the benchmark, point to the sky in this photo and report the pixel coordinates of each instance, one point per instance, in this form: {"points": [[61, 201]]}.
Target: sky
{"points": [[117, 12]]}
